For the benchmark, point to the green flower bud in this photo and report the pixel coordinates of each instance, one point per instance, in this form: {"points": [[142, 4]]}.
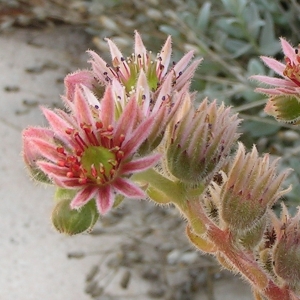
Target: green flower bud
{"points": [[286, 253], [251, 238], [73, 221], [285, 108], [251, 187], [200, 142]]}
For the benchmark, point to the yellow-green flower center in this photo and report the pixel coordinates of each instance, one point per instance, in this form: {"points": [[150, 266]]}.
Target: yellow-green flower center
{"points": [[99, 163]]}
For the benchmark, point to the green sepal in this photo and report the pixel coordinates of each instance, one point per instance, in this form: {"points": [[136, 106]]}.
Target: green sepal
{"points": [[286, 108], [38, 175], [72, 221], [157, 195]]}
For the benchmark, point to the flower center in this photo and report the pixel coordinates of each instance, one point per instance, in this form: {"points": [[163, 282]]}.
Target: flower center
{"points": [[99, 163], [96, 157]]}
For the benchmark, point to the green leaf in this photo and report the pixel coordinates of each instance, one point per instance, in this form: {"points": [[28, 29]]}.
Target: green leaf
{"points": [[255, 66], [269, 45], [203, 17], [259, 129]]}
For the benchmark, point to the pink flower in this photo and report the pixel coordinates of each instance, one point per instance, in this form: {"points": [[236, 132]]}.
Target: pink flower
{"points": [[290, 71], [159, 90], [127, 70], [90, 150]]}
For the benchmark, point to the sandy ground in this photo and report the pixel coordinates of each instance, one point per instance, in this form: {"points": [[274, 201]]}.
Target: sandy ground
{"points": [[35, 261]]}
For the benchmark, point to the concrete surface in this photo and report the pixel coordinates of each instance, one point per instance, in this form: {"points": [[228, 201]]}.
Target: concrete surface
{"points": [[33, 257]]}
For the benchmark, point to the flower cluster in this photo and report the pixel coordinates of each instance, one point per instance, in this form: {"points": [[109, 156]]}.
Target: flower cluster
{"points": [[104, 138], [130, 129]]}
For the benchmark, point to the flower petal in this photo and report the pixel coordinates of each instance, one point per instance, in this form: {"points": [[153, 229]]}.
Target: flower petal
{"points": [[127, 120], [139, 47], [58, 124], [274, 81], [80, 77], [140, 164], [100, 68], [165, 55], [104, 199], [273, 64], [128, 189], [107, 107], [183, 62], [137, 137], [82, 109], [83, 196], [288, 50], [118, 60]]}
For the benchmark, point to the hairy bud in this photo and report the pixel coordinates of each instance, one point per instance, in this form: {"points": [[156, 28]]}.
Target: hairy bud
{"points": [[286, 254], [201, 141], [73, 221], [251, 187]]}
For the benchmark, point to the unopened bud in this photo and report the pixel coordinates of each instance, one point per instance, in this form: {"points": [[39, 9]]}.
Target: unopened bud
{"points": [[252, 186], [286, 254], [73, 221], [201, 141]]}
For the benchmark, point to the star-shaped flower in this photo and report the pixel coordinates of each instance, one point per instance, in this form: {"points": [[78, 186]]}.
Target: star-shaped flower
{"points": [[90, 150]]}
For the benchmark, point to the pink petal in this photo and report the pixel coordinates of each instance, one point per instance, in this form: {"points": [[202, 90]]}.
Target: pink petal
{"points": [[128, 189], [288, 50], [187, 74], [127, 120], [184, 61], [58, 124], [138, 136], [45, 149], [90, 97], [143, 92], [139, 48], [100, 68], [82, 109], [80, 77], [107, 107], [140, 164], [165, 55], [274, 81], [82, 197], [274, 91], [273, 64], [165, 91], [117, 59], [52, 170], [30, 153], [104, 199], [119, 92], [67, 183], [37, 132]]}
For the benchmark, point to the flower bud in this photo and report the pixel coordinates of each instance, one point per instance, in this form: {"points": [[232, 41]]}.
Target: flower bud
{"points": [[286, 254], [251, 238], [200, 142], [73, 221], [251, 187], [285, 108]]}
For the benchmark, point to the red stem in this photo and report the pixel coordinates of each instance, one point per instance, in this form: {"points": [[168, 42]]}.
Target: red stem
{"points": [[245, 263]]}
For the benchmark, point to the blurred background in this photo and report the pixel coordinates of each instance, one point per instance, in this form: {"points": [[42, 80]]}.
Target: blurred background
{"points": [[230, 35]]}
